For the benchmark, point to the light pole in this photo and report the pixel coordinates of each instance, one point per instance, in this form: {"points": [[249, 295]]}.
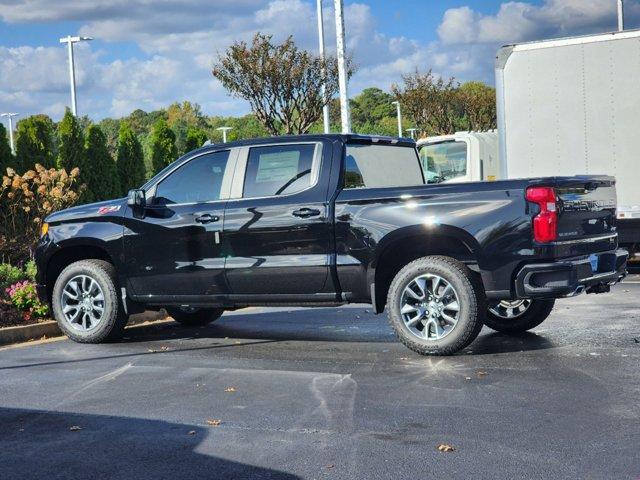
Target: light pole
{"points": [[10, 117], [397, 104], [620, 15], [345, 115], [69, 40], [224, 131], [412, 132], [323, 90]]}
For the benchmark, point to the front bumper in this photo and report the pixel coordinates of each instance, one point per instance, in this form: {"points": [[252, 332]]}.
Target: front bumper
{"points": [[567, 277]]}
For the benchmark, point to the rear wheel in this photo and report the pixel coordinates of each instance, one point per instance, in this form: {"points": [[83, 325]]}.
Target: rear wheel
{"points": [[436, 306], [193, 316], [85, 302], [517, 315]]}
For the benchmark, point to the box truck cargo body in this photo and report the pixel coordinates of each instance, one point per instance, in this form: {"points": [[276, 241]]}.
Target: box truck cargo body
{"points": [[570, 106]]}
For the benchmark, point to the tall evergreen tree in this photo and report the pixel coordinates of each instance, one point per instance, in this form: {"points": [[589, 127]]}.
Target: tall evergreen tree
{"points": [[70, 143], [99, 171], [163, 146], [130, 159], [195, 139], [34, 143], [6, 157]]}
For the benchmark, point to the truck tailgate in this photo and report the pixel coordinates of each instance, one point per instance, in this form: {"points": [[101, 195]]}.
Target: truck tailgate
{"points": [[586, 207]]}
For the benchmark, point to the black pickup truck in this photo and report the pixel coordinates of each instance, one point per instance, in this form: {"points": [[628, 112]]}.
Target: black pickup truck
{"points": [[321, 220]]}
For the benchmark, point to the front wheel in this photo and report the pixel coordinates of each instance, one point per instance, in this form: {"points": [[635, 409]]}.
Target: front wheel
{"points": [[436, 306], [194, 317], [85, 302], [517, 315]]}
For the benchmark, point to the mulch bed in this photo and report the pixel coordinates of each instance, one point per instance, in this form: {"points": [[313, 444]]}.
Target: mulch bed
{"points": [[11, 317]]}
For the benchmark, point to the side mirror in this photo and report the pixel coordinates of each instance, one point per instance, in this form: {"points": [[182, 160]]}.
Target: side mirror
{"points": [[136, 199]]}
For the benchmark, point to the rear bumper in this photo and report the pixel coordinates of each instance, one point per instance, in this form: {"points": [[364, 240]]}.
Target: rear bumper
{"points": [[567, 277]]}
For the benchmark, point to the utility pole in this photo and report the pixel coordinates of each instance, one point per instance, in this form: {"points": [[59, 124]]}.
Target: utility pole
{"points": [[325, 108], [69, 40], [224, 131], [10, 117], [399, 115], [620, 15], [345, 115]]}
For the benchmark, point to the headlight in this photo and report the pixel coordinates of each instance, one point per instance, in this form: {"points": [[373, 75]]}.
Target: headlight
{"points": [[44, 229]]}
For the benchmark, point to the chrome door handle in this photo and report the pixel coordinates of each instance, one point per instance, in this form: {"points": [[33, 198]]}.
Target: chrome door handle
{"points": [[207, 218], [306, 212]]}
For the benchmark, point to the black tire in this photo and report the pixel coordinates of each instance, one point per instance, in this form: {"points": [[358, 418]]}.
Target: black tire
{"points": [[533, 316], [194, 317], [112, 319], [471, 301]]}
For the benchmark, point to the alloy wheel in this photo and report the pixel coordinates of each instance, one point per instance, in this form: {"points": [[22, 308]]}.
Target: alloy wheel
{"points": [[430, 307]]}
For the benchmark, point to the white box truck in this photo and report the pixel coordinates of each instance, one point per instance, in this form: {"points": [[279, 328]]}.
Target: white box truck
{"points": [[565, 107]]}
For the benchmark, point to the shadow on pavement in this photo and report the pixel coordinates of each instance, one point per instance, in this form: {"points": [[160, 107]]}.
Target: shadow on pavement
{"points": [[496, 342], [40, 444]]}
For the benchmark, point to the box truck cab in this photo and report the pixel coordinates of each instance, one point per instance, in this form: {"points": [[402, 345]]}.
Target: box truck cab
{"points": [[461, 157]]}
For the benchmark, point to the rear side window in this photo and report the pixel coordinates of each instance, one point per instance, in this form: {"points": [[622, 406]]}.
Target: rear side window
{"points": [[378, 166], [197, 181], [278, 170]]}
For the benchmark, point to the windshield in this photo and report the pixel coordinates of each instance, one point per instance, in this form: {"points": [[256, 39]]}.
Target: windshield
{"points": [[443, 161]]}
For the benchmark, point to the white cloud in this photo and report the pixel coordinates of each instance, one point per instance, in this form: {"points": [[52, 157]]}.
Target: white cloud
{"points": [[180, 38]]}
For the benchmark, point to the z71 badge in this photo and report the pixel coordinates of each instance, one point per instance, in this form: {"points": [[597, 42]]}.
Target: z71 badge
{"points": [[110, 209]]}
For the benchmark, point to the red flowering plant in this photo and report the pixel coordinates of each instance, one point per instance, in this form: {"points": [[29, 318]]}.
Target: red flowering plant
{"points": [[23, 295]]}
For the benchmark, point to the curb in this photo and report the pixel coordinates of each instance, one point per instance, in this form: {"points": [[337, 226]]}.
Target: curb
{"points": [[25, 333], [36, 331]]}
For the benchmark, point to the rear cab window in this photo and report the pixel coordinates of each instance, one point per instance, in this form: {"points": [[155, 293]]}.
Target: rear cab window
{"points": [[379, 166]]}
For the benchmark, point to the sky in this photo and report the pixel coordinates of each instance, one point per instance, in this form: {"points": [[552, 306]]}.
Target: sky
{"points": [[150, 53]]}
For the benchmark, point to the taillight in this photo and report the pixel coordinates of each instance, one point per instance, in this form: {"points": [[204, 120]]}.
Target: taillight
{"points": [[545, 223]]}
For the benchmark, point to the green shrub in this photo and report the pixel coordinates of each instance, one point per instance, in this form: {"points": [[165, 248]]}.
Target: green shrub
{"points": [[30, 270], [9, 275]]}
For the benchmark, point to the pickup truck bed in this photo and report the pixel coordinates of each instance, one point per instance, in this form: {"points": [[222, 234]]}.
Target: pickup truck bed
{"points": [[325, 220]]}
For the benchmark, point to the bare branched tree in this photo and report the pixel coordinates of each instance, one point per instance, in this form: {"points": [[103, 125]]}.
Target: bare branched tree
{"points": [[282, 83]]}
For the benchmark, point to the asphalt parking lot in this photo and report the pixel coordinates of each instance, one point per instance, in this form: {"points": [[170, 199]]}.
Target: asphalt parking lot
{"points": [[329, 393]]}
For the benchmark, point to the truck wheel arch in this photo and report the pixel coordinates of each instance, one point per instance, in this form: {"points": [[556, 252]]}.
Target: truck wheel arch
{"points": [[410, 243], [67, 255]]}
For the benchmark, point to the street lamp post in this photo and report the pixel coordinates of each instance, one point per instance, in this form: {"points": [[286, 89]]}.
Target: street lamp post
{"points": [[397, 104], [323, 91], [224, 131], [620, 15], [69, 40], [345, 115], [10, 117]]}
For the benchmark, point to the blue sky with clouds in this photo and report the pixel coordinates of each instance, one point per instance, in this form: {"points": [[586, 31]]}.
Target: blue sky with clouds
{"points": [[148, 54]]}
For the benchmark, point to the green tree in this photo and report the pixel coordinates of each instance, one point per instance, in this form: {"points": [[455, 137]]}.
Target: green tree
{"points": [[111, 127], [163, 146], [130, 161], [195, 138], [6, 157], [478, 102], [70, 143], [34, 143], [282, 83], [431, 102], [99, 171]]}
